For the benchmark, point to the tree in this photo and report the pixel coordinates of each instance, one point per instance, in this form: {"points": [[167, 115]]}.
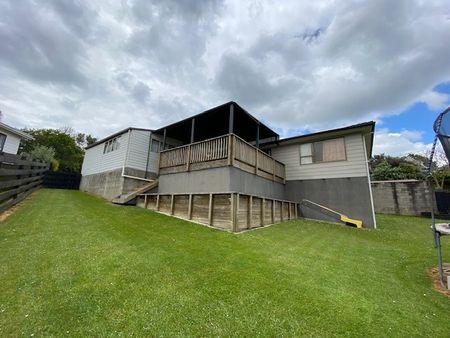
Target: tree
{"points": [[67, 152]]}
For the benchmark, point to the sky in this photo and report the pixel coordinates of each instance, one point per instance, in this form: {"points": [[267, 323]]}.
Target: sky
{"points": [[299, 66]]}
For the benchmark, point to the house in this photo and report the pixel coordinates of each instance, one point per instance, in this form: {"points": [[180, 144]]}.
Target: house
{"points": [[122, 162], [10, 138], [226, 169]]}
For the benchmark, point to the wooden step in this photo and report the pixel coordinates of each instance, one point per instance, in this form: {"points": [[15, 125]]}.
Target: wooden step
{"points": [[125, 198]]}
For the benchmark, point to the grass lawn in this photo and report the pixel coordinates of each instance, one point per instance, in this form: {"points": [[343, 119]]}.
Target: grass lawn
{"points": [[74, 265]]}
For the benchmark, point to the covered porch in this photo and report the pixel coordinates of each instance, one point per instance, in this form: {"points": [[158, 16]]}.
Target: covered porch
{"points": [[228, 118]]}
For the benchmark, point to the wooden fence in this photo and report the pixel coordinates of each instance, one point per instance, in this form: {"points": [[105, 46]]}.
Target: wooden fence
{"points": [[228, 211], [18, 178], [218, 152]]}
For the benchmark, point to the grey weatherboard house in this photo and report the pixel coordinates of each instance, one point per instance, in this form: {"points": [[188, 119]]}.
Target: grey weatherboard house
{"points": [[226, 169]]}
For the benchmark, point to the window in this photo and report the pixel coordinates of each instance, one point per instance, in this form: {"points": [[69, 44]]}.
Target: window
{"points": [[111, 145], [2, 141], [323, 151]]}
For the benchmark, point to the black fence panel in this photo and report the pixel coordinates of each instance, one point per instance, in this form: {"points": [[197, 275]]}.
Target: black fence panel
{"points": [[61, 180], [443, 202], [18, 178]]}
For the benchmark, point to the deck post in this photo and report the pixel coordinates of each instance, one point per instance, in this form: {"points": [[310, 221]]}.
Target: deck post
{"points": [[257, 136], [188, 158], [172, 202], [263, 210], [281, 213], [230, 149], [273, 169], [210, 209], [296, 207], [233, 212], [273, 211], [231, 119], [190, 207], [237, 209], [145, 202], [164, 139], [256, 161], [157, 202], [250, 211], [193, 130]]}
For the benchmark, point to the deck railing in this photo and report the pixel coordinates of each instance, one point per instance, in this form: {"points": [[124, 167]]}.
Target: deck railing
{"points": [[221, 151]]}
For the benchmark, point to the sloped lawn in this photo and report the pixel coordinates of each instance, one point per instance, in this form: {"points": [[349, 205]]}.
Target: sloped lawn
{"points": [[74, 265]]}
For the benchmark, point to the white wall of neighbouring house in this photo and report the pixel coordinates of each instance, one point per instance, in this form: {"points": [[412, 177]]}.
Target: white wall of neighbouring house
{"points": [[354, 166], [97, 161], [12, 142]]}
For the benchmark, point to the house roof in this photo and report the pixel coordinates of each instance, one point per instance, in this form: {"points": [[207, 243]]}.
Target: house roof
{"points": [[215, 122], [366, 128], [15, 131], [107, 138]]}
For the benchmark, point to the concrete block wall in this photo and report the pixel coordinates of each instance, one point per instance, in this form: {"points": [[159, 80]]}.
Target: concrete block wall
{"points": [[403, 197]]}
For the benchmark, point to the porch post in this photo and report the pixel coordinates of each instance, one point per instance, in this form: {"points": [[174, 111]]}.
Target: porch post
{"points": [[231, 120], [164, 139], [193, 130], [257, 136]]}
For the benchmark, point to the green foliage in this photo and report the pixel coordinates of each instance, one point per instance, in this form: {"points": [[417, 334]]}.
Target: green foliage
{"points": [[67, 152], [74, 265], [385, 171], [55, 165], [40, 152]]}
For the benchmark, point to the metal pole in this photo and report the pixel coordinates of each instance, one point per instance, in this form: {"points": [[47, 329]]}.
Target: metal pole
{"points": [[231, 120]]}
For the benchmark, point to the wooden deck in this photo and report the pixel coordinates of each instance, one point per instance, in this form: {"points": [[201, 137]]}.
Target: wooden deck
{"points": [[233, 212], [226, 150]]}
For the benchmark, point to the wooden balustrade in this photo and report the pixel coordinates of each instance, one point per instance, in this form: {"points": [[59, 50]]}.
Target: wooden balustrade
{"points": [[218, 152]]}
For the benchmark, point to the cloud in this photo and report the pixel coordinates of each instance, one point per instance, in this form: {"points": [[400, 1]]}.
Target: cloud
{"points": [[435, 100], [303, 66], [400, 144]]}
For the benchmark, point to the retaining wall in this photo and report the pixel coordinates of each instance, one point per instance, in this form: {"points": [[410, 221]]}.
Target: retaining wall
{"points": [[403, 197]]}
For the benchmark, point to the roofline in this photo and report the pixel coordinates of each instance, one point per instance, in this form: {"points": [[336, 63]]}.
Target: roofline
{"points": [[120, 132], [370, 124], [219, 106], [17, 132]]}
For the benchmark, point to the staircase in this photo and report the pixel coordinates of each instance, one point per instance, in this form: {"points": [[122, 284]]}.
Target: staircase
{"points": [[126, 198]]}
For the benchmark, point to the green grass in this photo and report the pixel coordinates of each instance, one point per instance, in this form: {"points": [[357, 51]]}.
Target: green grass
{"points": [[74, 265]]}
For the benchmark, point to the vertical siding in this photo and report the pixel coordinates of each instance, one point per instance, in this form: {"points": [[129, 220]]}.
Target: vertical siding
{"points": [[11, 143], [354, 166], [96, 162]]}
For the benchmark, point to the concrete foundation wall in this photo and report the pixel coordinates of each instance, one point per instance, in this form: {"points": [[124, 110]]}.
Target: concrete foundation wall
{"points": [[401, 197], [349, 196], [107, 184], [111, 184], [224, 179]]}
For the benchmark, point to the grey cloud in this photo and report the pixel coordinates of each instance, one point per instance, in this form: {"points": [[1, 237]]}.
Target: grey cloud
{"points": [[141, 92], [35, 45], [172, 32]]}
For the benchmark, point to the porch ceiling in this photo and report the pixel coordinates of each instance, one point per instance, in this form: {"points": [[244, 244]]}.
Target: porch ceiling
{"points": [[215, 122]]}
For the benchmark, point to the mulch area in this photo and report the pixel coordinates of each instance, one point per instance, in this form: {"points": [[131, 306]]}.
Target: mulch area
{"points": [[436, 283]]}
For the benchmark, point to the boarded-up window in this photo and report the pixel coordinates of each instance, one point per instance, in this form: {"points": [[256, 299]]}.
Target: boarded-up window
{"points": [[323, 151]]}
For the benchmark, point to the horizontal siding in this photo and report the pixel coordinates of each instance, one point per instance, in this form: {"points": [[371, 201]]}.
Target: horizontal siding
{"points": [[96, 162], [138, 152], [354, 166]]}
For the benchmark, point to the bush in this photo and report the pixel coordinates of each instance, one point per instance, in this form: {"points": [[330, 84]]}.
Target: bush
{"points": [[41, 153]]}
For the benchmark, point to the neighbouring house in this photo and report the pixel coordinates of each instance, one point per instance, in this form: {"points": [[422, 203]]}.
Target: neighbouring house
{"points": [[226, 169], [10, 138]]}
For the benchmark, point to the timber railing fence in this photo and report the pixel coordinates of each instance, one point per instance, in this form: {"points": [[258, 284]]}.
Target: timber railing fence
{"points": [[18, 178], [226, 150]]}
